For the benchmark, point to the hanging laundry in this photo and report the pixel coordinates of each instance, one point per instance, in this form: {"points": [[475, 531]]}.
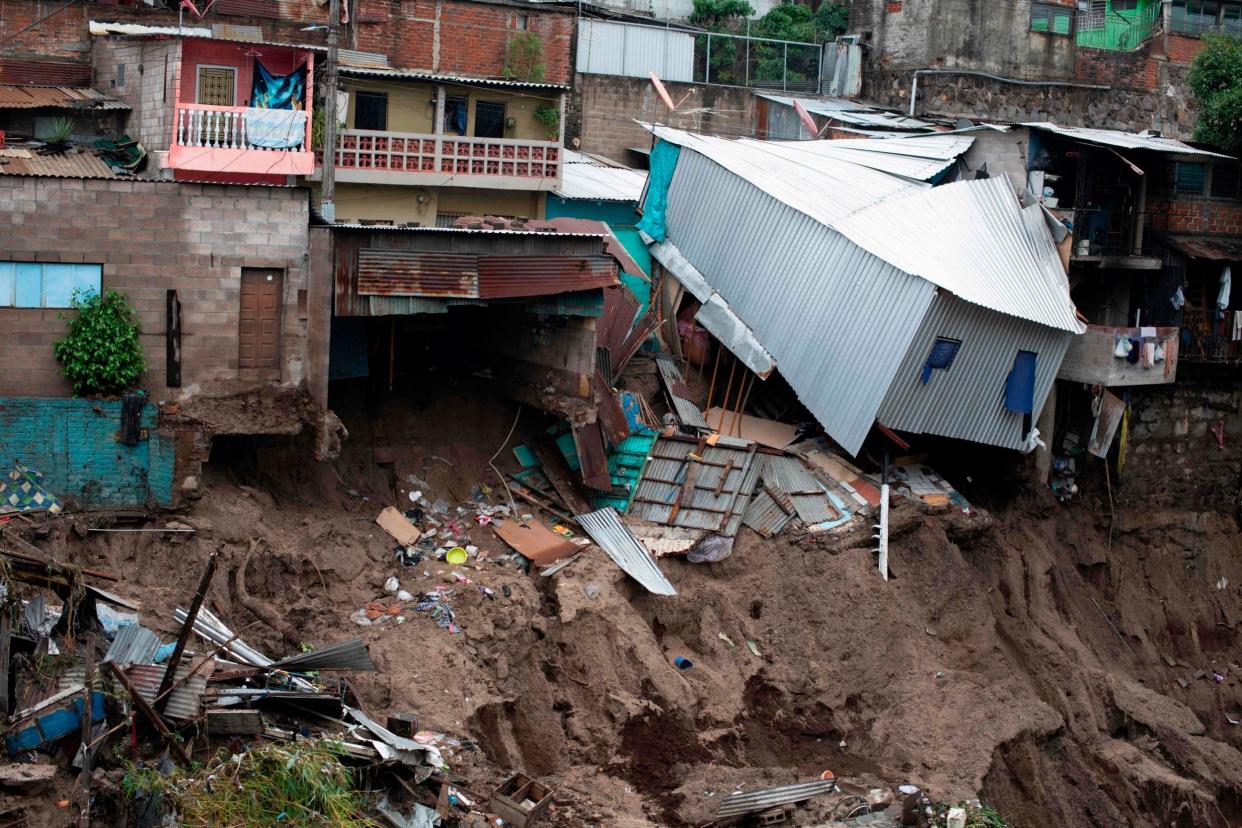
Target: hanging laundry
{"points": [[270, 91], [1222, 298], [1237, 326], [1132, 355], [1178, 299], [1149, 354]]}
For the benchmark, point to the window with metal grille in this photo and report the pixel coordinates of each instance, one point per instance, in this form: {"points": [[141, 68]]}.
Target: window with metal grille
{"points": [[371, 110], [36, 285], [489, 119], [217, 86], [1050, 18], [1189, 177], [1225, 181]]}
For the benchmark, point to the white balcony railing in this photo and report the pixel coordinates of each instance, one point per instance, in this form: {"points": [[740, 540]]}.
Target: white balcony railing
{"points": [[454, 155], [232, 128]]}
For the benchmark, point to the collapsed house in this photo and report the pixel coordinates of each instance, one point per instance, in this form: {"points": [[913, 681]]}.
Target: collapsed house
{"points": [[880, 299]]}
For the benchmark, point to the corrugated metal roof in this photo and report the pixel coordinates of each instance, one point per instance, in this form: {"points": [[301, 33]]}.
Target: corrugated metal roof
{"points": [[482, 230], [55, 97], [765, 516], [688, 414], [362, 60], [607, 530], [740, 804], [99, 28], [248, 8], [134, 644], [232, 31], [185, 702], [44, 72], [786, 477], [804, 183], [1124, 140], [851, 112], [63, 165], [592, 460], [422, 75], [974, 240], [720, 485], [502, 277], [921, 157], [384, 272], [585, 178], [347, 655]]}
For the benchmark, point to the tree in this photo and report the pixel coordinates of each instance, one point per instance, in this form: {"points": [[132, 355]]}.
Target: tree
{"points": [[1216, 79], [719, 16], [796, 22], [101, 354]]}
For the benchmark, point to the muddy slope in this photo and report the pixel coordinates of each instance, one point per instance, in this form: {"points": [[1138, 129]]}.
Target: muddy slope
{"points": [[986, 667]]}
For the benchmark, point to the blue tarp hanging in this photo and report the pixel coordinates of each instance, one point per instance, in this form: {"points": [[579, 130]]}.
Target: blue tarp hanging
{"points": [[663, 161], [270, 91], [1020, 387], [941, 357]]}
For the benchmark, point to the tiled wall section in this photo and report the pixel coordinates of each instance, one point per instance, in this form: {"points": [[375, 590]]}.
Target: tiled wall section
{"points": [[75, 444], [151, 236]]}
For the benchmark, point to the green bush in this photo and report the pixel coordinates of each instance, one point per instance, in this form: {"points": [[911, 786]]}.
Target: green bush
{"points": [[101, 353], [1216, 79]]}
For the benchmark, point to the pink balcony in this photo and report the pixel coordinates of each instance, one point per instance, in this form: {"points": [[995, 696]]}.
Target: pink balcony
{"points": [[239, 139]]}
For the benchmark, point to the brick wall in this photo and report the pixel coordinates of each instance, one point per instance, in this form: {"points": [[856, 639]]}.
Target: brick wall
{"points": [[461, 37], [605, 107], [1139, 70], [75, 444], [149, 237]]}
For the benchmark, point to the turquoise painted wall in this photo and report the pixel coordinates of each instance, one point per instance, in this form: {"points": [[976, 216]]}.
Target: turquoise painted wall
{"points": [[75, 443], [621, 217]]}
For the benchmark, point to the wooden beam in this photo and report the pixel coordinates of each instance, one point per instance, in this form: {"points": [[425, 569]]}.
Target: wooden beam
{"points": [[174, 661], [148, 712]]}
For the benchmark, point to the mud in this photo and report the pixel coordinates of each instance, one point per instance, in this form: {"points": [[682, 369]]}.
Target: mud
{"points": [[1028, 654]]}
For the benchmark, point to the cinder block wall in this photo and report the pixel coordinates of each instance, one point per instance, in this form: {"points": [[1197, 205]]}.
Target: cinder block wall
{"points": [[75, 444], [149, 237], [143, 74]]}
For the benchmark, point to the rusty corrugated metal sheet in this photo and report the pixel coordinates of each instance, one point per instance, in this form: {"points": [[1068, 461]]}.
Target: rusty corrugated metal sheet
{"points": [[410, 273], [765, 515], [184, 702], [44, 72], [589, 443], [232, 31], [269, 9], [502, 277], [611, 417], [1214, 248], [54, 97], [64, 165]]}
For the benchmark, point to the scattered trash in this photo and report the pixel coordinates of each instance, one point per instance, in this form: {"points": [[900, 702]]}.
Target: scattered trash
{"points": [[456, 556], [754, 648], [520, 800], [391, 585], [534, 540], [728, 641], [683, 663]]}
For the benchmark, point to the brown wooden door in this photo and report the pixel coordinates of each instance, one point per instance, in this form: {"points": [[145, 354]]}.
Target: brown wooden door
{"points": [[259, 329]]}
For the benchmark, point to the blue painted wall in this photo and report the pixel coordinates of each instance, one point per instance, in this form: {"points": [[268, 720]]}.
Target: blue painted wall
{"points": [[74, 442], [621, 217]]}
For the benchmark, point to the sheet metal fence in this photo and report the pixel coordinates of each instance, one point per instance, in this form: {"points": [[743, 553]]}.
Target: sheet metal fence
{"points": [[695, 56]]}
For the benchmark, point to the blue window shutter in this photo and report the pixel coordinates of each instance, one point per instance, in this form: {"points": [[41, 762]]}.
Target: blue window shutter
{"points": [[943, 351], [1020, 387]]}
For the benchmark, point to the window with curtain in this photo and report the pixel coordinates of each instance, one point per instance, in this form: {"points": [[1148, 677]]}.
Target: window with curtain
{"points": [[46, 285], [943, 352]]}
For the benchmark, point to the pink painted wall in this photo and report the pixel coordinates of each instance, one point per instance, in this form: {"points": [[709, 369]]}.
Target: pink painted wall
{"points": [[279, 60]]}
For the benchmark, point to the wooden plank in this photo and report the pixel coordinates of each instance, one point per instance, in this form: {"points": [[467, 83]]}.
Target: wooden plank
{"points": [[559, 475], [175, 659]]}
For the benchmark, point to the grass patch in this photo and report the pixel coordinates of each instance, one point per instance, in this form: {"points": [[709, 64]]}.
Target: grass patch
{"points": [[302, 783]]}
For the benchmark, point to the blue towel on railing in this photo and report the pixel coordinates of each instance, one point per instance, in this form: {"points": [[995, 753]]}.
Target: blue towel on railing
{"points": [[275, 128]]}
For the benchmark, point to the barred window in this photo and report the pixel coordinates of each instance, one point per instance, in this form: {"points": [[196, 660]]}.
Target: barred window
{"points": [[1225, 181], [1050, 18]]}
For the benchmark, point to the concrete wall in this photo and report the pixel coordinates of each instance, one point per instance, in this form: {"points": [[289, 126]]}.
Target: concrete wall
{"points": [[75, 444], [400, 204], [1004, 153], [603, 113], [143, 74], [149, 237], [972, 34]]}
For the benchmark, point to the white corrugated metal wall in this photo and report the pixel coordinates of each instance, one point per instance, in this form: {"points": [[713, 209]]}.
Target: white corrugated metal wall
{"points": [[634, 51], [837, 319], [967, 401]]}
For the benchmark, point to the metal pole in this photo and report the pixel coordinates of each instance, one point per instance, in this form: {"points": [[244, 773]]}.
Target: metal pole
{"points": [[708, 70], [747, 83], [327, 192], [785, 70]]}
